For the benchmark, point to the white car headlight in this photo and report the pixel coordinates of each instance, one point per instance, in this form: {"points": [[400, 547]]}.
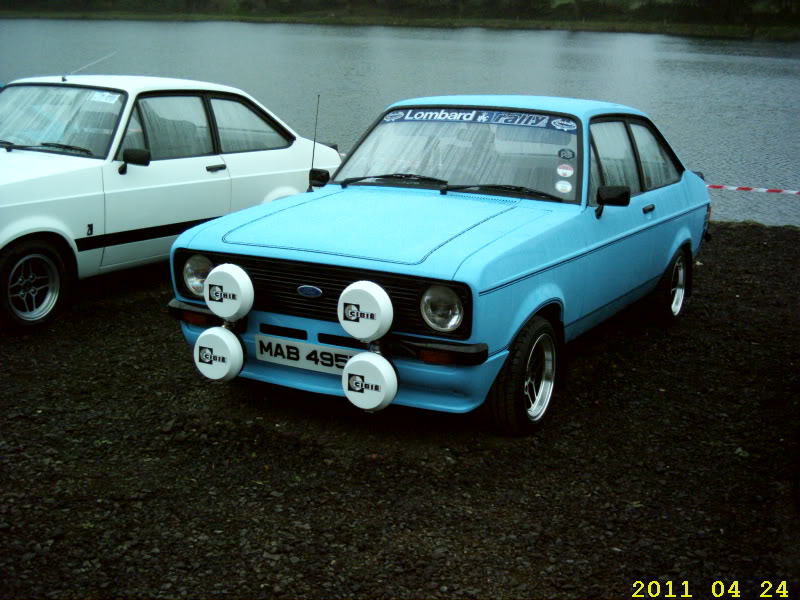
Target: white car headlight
{"points": [[441, 308], [195, 271]]}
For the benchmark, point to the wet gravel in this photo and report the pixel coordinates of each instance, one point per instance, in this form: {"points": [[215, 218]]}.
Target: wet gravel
{"points": [[672, 456]]}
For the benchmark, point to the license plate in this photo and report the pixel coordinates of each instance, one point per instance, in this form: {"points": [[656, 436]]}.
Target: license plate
{"points": [[325, 359]]}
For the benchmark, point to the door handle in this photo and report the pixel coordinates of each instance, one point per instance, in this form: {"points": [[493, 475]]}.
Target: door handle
{"points": [[212, 168], [649, 208]]}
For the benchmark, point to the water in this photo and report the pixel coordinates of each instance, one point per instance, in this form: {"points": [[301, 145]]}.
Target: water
{"points": [[730, 108]]}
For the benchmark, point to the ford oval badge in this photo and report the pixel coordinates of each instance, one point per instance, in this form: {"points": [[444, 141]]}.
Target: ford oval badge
{"points": [[309, 291]]}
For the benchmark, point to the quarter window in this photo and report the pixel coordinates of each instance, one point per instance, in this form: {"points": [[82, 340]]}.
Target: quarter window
{"points": [[657, 165], [242, 130], [615, 153], [134, 135], [595, 180], [176, 126]]}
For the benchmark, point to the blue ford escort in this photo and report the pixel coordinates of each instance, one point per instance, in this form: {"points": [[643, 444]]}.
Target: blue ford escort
{"points": [[460, 245]]}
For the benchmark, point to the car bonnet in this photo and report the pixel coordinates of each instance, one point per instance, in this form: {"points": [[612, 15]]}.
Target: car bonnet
{"points": [[22, 165], [27, 176], [397, 226]]}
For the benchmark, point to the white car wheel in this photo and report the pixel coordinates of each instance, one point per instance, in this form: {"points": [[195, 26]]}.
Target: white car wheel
{"points": [[34, 280]]}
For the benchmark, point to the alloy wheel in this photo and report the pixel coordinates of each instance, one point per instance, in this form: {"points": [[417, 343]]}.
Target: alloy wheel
{"points": [[540, 376], [33, 287], [678, 285]]}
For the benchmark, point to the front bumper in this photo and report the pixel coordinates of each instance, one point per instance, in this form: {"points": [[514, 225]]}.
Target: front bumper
{"points": [[433, 374]]}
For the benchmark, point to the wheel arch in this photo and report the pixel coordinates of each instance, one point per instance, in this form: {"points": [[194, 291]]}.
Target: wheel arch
{"points": [[686, 247], [500, 314], [51, 267], [66, 248], [682, 244], [505, 406], [682, 240], [281, 192], [552, 310]]}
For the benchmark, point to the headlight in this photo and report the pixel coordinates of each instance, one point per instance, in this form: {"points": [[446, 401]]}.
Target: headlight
{"points": [[441, 308], [195, 271]]}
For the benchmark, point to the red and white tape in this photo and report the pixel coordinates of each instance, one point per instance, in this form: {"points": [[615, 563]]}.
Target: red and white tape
{"points": [[734, 188]]}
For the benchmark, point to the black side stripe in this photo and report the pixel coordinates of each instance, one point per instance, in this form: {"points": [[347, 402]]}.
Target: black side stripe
{"points": [[135, 235]]}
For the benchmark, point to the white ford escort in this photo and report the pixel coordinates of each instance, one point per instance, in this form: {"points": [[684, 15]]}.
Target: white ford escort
{"points": [[99, 173]]}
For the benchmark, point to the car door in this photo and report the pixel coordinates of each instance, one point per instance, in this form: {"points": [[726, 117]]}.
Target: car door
{"points": [[185, 183], [619, 249], [665, 196], [263, 163]]}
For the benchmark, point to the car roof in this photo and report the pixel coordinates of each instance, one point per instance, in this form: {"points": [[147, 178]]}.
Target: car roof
{"points": [[133, 84], [583, 109], [137, 84]]}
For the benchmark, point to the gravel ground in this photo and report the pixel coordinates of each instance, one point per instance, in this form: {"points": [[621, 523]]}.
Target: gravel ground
{"points": [[671, 456]]}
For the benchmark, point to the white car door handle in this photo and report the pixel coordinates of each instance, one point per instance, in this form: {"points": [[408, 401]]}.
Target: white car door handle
{"points": [[212, 168]]}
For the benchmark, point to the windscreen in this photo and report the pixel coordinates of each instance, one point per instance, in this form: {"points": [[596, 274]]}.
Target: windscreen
{"points": [[55, 118], [466, 146]]}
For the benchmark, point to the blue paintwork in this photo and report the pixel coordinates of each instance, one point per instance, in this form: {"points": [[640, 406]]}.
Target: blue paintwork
{"points": [[455, 390], [582, 110], [516, 255]]}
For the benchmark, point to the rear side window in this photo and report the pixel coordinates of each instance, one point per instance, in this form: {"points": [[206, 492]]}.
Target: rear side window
{"points": [[176, 126], [657, 165], [241, 129], [615, 155]]}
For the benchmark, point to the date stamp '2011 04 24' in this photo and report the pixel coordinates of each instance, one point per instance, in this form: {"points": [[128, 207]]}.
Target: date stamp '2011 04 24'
{"points": [[718, 589]]}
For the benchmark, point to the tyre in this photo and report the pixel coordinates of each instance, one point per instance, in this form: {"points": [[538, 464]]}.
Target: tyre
{"points": [[35, 282], [520, 396], [669, 297]]}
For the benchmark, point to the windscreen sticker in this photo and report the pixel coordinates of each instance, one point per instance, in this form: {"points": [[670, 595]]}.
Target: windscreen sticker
{"points": [[566, 154], [563, 187], [107, 97], [565, 170], [492, 117], [565, 124]]}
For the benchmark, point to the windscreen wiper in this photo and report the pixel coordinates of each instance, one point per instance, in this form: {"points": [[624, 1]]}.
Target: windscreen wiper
{"points": [[9, 146], [406, 176], [503, 187], [61, 146]]}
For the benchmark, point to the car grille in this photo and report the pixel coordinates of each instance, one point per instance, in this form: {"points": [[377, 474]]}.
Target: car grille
{"points": [[276, 281]]}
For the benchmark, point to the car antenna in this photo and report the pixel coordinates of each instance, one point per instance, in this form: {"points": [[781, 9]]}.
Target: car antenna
{"points": [[313, 147], [94, 62]]}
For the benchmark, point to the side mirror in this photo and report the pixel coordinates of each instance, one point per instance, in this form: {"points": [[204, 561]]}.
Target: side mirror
{"points": [[612, 195], [318, 178], [134, 156]]}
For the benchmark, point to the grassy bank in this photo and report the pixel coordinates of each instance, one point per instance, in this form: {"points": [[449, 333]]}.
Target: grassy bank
{"points": [[770, 32]]}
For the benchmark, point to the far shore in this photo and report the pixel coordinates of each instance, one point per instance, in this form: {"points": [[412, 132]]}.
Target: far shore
{"points": [[742, 32]]}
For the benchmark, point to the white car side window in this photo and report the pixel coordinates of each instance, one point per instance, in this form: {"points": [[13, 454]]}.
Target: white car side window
{"points": [[242, 130], [176, 126]]}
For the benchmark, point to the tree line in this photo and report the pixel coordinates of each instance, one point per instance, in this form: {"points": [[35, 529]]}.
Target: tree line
{"points": [[673, 11]]}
